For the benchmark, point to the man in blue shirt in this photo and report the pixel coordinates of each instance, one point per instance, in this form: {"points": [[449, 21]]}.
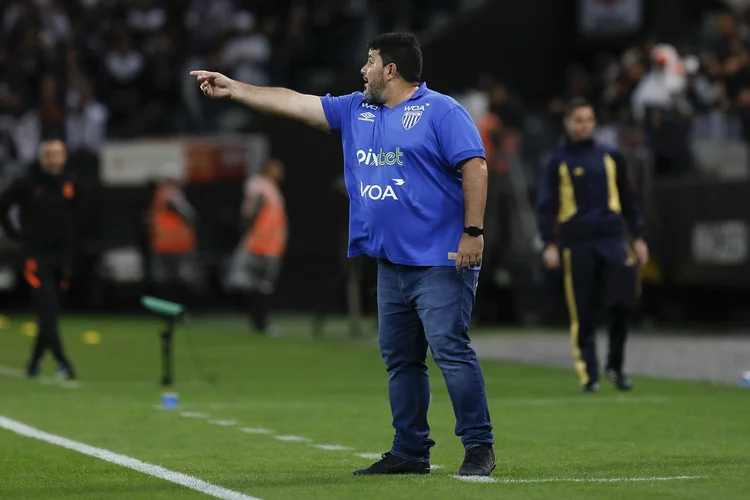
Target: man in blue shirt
{"points": [[416, 175]]}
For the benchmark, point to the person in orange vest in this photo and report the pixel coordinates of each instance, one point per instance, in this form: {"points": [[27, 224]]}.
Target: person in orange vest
{"points": [[172, 241], [257, 260]]}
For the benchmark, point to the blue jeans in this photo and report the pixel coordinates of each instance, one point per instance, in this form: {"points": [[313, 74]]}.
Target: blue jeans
{"points": [[421, 307]]}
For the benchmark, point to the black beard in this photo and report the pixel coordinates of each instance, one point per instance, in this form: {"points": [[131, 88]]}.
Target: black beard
{"points": [[371, 97]]}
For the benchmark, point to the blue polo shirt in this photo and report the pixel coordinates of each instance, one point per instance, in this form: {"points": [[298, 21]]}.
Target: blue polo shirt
{"points": [[406, 198]]}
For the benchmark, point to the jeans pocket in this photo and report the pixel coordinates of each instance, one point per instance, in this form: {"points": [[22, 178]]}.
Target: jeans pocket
{"points": [[471, 281]]}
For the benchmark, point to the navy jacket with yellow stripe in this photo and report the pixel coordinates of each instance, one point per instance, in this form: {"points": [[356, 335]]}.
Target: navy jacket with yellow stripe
{"points": [[585, 194]]}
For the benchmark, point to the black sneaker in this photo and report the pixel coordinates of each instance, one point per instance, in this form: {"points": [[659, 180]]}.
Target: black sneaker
{"points": [[621, 381], [32, 371], [391, 464], [590, 387], [479, 461]]}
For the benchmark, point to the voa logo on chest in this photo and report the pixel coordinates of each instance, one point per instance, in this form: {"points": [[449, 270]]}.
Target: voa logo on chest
{"points": [[412, 115], [377, 193]]}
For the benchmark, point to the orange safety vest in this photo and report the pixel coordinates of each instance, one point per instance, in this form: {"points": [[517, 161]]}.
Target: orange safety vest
{"points": [[169, 234], [509, 143], [268, 234], [487, 125]]}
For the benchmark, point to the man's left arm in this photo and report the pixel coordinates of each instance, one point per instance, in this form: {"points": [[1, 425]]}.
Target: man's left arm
{"points": [[631, 210], [463, 149], [68, 248], [182, 207], [475, 190], [250, 210]]}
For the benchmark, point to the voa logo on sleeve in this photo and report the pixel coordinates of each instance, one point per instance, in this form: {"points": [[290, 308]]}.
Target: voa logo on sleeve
{"points": [[376, 192]]}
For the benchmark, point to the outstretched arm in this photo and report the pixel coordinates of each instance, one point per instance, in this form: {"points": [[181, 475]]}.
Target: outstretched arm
{"points": [[285, 103]]}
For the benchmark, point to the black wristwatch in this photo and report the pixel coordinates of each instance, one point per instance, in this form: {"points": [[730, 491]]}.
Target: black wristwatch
{"points": [[473, 231]]}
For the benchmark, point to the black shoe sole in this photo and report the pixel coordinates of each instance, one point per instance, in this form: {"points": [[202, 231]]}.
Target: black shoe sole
{"points": [[403, 473], [419, 469], [465, 474], [618, 386]]}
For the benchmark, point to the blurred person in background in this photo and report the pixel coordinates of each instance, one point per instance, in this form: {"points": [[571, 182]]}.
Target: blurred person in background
{"points": [[86, 127], [124, 68], [247, 51], [257, 260], [584, 194], [658, 103], [172, 241], [47, 200]]}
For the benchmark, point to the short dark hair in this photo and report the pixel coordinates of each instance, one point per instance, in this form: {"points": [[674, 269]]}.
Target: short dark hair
{"points": [[401, 49], [577, 103]]}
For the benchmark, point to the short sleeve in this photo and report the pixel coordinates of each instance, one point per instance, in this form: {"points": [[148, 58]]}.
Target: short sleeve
{"points": [[336, 109], [459, 137]]}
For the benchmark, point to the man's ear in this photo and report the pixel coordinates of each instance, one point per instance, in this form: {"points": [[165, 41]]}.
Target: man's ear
{"points": [[392, 71]]}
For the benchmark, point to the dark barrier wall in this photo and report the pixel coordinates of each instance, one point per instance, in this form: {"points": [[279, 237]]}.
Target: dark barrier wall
{"points": [[706, 233], [509, 39]]}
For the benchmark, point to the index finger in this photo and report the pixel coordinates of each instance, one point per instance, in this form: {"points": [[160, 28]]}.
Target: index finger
{"points": [[201, 74]]}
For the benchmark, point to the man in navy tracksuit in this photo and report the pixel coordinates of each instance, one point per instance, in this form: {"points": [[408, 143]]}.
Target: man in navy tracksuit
{"points": [[584, 195]]}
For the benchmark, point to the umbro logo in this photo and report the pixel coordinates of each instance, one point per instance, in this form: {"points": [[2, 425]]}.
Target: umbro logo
{"points": [[366, 117]]}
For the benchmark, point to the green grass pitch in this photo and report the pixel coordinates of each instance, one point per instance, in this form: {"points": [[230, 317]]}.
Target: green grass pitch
{"points": [[290, 417]]}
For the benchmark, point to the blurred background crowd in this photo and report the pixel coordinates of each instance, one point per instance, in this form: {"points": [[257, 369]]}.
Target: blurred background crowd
{"points": [[99, 72], [89, 70]]}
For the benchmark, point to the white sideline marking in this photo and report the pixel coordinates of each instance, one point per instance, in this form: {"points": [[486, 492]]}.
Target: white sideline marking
{"points": [[476, 479], [436, 467], [223, 423], [12, 372], [193, 414], [332, 447], [583, 400], [152, 470], [297, 439], [256, 430], [486, 479]]}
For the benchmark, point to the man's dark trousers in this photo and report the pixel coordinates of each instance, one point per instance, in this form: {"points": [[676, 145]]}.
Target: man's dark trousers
{"points": [[601, 270], [421, 307], [43, 274]]}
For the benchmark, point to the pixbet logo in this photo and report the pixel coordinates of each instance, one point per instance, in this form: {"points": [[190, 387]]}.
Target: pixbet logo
{"points": [[376, 193], [380, 158]]}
